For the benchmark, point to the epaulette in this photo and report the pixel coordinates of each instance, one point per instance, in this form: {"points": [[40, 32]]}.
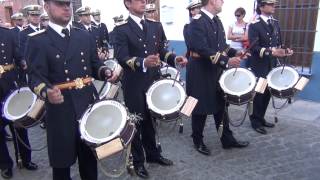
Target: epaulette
{"points": [[95, 26], [36, 33], [4, 27], [121, 23], [255, 21], [196, 16], [275, 19], [75, 27]]}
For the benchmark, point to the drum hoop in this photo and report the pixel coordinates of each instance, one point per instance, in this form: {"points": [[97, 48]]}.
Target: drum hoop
{"points": [[170, 69], [115, 63], [85, 135], [293, 83], [5, 112], [108, 85], [231, 71], [154, 86]]}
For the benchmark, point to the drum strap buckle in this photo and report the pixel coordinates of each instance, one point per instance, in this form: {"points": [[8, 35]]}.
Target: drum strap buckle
{"points": [[79, 84], [5, 68]]}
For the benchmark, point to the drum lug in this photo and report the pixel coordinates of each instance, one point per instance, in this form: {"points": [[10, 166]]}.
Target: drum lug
{"points": [[159, 147], [276, 119], [19, 163], [181, 128]]}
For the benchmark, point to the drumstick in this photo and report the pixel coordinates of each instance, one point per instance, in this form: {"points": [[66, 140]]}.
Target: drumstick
{"points": [[176, 78], [245, 52], [285, 61]]}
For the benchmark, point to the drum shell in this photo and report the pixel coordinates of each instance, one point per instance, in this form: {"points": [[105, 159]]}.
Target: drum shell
{"points": [[283, 94], [239, 100]]}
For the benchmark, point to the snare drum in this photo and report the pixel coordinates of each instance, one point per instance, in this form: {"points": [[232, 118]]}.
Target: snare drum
{"points": [[105, 121], [23, 108], [281, 81], [114, 66], [238, 85], [170, 72], [165, 99], [98, 85]]}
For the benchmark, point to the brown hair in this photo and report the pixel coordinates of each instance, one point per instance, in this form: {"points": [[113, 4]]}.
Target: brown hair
{"points": [[240, 10]]}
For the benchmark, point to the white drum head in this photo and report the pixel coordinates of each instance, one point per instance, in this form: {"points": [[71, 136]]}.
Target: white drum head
{"points": [[112, 64], [19, 103], [282, 81], [238, 82], [103, 122], [98, 85], [164, 99], [170, 70]]}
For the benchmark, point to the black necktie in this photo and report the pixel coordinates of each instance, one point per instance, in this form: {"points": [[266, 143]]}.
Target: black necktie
{"points": [[37, 29], [144, 27], [215, 19], [66, 33], [270, 24], [89, 29]]}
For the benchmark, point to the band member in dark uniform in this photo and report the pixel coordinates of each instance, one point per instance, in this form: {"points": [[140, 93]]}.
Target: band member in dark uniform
{"points": [[44, 18], [62, 54], [264, 53], [9, 58], [85, 24], [194, 9], [101, 26], [209, 56], [151, 12], [17, 19], [139, 44]]}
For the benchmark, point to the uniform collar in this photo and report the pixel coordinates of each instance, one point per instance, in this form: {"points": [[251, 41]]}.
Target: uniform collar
{"points": [[265, 18], [211, 16], [20, 28], [96, 23], [35, 27], [87, 26], [57, 28], [137, 19]]}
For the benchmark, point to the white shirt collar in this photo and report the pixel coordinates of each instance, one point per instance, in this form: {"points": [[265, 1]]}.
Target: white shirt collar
{"points": [[137, 19], [96, 23], [58, 28], [20, 28], [87, 26], [211, 16], [35, 27], [265, 18]]}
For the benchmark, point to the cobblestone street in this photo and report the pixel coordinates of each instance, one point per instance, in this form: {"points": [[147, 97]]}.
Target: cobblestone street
{"points": [[289, 151]]}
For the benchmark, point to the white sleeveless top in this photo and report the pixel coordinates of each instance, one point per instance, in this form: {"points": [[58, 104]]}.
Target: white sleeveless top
{"points": [[237, 30]]}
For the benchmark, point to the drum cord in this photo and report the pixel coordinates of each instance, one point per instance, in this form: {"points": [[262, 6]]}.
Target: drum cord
{"points": [[128, 164], [242, 119], [25, 145]]}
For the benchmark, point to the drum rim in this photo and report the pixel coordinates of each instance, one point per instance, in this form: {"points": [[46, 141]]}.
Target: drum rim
{"points": [[171, 68], [273, 86], [231, 71], [106, 92], [86, 136], [153, 108], [113, 61], [6, 102]]}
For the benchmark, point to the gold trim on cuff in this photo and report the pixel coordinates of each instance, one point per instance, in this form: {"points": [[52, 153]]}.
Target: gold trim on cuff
{"points": [[262, 52], [39, 88], [131, 63], [167, 56], [214, 59]]}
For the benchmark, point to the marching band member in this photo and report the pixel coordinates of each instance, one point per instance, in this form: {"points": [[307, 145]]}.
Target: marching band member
{"points": [[139, 44], [51, 62], [209, 56], [263, 59], [101, 26]]}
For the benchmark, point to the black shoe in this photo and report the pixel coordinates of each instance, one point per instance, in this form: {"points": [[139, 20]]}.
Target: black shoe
{"points": [[267, 124], [30, 166], [161, 160], [6, 173], [202, 148], [236, 144], [260, 130], [141, 172]]}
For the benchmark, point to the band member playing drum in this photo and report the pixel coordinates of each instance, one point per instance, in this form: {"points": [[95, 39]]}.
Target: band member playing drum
{"points": [[65, 55], [139, 46], [9, 58], [264, 53], [209, 55]]}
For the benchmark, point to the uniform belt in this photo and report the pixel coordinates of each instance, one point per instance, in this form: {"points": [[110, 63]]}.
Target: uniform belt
{"points": [[78, 83], [6, 68], [194, 55]]}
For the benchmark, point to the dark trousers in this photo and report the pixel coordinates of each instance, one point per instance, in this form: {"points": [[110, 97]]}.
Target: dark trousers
{"points": [[144, 141], [198, 123], [260, 105], [87, 165], [20, 150]]}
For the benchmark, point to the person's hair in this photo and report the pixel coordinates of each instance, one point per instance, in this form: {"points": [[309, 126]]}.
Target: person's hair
{"points": [[259, 5], [204, 2], [240, 10]]}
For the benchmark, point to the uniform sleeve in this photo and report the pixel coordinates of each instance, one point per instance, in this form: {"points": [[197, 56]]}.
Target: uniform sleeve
{"points": [[257, 49], [37, 66], [199, 44], [121, 49], [165, 55]]}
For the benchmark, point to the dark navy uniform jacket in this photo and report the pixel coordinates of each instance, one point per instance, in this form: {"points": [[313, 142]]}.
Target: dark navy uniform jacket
{"points": [[104, 33], [58, 60], [207, 40], [261, 61], [23, 37], [8, 55], [131, 47], [95, 32]]}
